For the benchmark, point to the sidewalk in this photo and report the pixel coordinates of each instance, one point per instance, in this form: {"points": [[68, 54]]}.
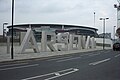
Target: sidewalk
{"points": [[30, 55]]}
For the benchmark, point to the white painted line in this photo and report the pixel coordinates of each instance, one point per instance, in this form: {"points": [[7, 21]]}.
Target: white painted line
{"points": [[86, 54], [68, 59], [93, 54], [58, 58], [46, 74], [70, 70], [19, 67], [98, 62], [74, 70], [90, 54], [117, 55], [57, 74], [13, 65]]}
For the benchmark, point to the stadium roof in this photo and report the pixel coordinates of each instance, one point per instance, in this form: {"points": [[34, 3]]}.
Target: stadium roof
{"points": [[53, 25]]}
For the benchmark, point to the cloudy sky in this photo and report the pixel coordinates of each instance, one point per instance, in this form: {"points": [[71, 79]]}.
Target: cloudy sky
{"points": [[78, 12]]}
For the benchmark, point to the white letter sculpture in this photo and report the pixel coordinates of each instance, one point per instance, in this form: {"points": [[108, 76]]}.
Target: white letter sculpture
{"points": [[90, 43], [87, 45], [45, 43], [52, 41], [29, 38], [79, 42], [62, 38], [70, 42]]}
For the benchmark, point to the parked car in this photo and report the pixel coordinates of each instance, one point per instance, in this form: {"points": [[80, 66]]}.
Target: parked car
{"points": [[116, 46]]}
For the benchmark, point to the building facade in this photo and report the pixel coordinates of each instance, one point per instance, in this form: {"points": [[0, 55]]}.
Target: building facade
{"points": [[20, 30], [106, 35]]}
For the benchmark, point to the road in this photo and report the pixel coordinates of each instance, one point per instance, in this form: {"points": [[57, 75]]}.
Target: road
{"points": [[94, 65]]}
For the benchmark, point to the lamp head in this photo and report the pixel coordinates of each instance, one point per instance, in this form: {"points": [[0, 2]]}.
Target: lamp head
{"points": [[107, 18], [5, 23], [101, 18], [115, 5]]}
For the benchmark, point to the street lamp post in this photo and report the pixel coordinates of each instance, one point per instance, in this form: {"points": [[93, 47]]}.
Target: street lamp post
{"points": [[104, 31], [4, 29], [12, 56], [114, 33], [117, 6], [94, 19]]}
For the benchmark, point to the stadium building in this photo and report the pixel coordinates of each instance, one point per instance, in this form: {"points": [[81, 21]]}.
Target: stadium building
{"points": [[20, 30]]}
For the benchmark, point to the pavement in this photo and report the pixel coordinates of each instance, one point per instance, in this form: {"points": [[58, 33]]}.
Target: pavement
{"points": [[29, 54]]}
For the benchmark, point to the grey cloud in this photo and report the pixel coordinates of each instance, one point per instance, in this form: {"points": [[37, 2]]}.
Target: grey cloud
{"points": [[51, 6], [59, 11], [5, 6]]}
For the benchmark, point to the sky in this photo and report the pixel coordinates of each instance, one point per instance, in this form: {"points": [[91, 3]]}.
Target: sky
{"points": [[75, 12]]}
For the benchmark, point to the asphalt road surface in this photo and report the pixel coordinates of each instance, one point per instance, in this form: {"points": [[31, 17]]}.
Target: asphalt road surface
{"points": [[95, 65]]}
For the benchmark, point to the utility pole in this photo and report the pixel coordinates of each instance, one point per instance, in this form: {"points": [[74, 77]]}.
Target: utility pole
{"points": [[12, 51], [104, 31]]}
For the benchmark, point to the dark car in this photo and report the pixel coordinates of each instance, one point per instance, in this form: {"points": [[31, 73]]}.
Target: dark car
{"points": [[116, 46]]}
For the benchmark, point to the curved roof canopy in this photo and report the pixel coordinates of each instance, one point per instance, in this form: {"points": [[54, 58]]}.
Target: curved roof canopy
{"points": [[53, 25]]}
